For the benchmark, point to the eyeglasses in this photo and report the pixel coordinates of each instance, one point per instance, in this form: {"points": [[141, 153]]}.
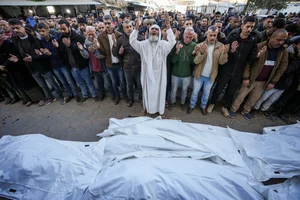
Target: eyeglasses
{"points": [[155, 29], [107, 23]]}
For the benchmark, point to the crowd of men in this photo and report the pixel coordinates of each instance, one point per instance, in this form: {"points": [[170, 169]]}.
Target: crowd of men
{"points": [[254, 62]]}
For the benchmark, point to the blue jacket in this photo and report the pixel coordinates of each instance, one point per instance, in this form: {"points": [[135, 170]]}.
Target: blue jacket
{"points": [[57, 60]]}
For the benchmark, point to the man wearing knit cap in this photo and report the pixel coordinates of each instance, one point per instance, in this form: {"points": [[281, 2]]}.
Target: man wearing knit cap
{"points": [[153, 52]]}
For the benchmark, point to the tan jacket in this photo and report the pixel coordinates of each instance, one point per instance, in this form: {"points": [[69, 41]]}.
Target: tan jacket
{"points": [[105, 48], [252, 72], [218, 58]]}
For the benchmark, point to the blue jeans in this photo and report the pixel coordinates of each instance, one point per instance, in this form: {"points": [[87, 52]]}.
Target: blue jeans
{"points": [[40, 79], [117, 76], [83, 79], [205, 81], [65, 77], [175, 83], [100, 80]]}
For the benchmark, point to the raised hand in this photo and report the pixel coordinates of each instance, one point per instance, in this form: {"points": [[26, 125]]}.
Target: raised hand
{"points": [[261, 51], [114, 38], [234, 46], [66, 41], [91, 49], [225, 48], [28, 58], [45, 51], [37, 52], [197, 48], [96, 43], [13, 58], [178, 47], [203, 48], [55, 43], [2, 68], [138, 21], [121, 50], [167, 20], [80, 47]]}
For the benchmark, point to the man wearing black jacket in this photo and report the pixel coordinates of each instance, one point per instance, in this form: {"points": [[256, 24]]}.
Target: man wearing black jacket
{"points": [[242, 52], [37, 63], [71, 44]]}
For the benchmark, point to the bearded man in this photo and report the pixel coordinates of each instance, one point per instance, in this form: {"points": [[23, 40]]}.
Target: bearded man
{"points": [[153, 52]]}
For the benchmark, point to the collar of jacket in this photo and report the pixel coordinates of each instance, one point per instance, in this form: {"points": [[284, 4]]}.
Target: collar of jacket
{"points": [[217, 44], [73, 34], [236, 34], [265, 43]]}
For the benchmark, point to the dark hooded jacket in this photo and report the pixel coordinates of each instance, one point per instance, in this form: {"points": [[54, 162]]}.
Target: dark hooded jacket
{"points": [[244, 55]]}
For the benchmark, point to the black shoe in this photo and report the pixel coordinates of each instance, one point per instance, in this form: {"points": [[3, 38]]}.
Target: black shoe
{"points": [[203, 111], [117, 100], [189, 110], [68, 99], [96, 99], [130, 103], [183, 107], [14, 100], [2, 99], [171, 106], [83, 99], [101, 97], [78, 99], [62, 100]]}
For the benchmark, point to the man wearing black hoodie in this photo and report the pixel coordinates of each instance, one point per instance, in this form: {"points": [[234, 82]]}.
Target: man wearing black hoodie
{"points": [[242, 52], [37, 63]]}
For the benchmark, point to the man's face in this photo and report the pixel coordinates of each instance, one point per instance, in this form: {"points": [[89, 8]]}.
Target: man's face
{"points": [[101, 26], [180, 20], [91, 36], [128, 28], [219, 25], [188, 23], [51, 23], [43, 32], [74, 21], [217, 17], [211, 36], [154, 31], [65, 31], [277, 41], [113, 13], [5, 26], [268, 23], [297, 47], [89, 21], [162, 17], [68, 19], [108, 25], [188, 37], [204, 22], [82, 27], [19, 30], [234, 22], [247, 28]]}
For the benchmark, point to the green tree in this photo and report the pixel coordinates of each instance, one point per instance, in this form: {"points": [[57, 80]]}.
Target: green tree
{"points": [[269, 5]]}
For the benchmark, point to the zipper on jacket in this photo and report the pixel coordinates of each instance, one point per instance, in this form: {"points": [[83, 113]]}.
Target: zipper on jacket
{"points": [[238, 60]]}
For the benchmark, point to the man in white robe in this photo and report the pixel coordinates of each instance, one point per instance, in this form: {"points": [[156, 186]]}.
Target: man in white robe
{"points": [[154, 52]]}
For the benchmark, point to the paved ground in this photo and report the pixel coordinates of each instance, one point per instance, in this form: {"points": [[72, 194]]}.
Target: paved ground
{"points": [[83, 122]]}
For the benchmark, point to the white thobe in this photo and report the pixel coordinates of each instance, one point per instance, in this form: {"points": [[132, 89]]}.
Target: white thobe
{"points": [[154, 70]]}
